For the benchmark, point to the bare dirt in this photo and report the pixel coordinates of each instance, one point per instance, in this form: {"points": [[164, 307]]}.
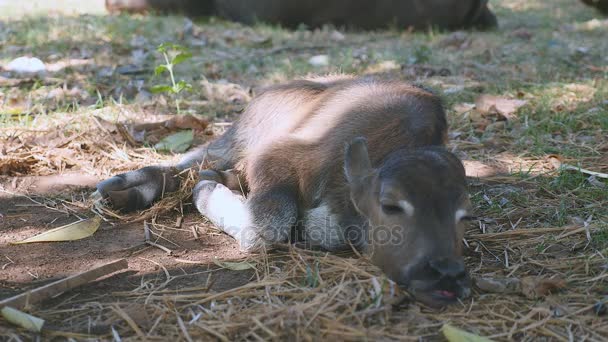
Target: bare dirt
{"points": [[28, 266]]}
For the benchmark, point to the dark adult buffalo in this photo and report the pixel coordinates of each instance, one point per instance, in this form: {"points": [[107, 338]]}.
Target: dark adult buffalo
{"points": [[359, 14], [601, 5]]}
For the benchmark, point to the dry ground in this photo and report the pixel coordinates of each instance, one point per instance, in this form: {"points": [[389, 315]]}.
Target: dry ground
{"points": [[61, 132]]}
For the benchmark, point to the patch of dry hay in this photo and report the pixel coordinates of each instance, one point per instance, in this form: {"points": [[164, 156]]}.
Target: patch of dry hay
{"points": [[305, 295]]}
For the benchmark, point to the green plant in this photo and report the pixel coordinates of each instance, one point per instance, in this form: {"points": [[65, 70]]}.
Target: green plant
{"points": [[173, 54], [421, 55], [312, 275]]}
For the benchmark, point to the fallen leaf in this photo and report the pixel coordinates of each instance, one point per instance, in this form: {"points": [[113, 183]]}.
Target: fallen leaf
{"points": [[555, 160], [235, 266], [479, 121], [453, 334], [152, 131], [500, 105], [558, 164], [535, 287], [186, 122], [177, 143], [461, 108], [73, 231], [22, 319]]}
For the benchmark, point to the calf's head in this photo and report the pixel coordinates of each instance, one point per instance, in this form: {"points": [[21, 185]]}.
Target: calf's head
{"points": [[415, 202]]}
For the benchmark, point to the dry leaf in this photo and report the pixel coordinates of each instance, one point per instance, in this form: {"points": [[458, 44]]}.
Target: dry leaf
{"points": [[73, 231], [461, 108], [500, 105], [535, 287], [151, 132], [555, 160], [186, 122], [558, 163], [235, 266], [177, 142], [479, 121], [22, 319], [453, 334]]}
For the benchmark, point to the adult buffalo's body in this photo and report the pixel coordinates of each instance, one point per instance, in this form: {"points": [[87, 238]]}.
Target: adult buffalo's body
{"points": [[363, 14], [343, 161], [601, 5]]}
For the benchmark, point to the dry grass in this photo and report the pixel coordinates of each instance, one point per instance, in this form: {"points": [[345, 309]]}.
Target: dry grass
{"points": [[304, 295]]}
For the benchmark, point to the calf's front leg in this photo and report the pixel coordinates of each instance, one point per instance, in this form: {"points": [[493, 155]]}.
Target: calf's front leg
{"points": [[265, 218]]}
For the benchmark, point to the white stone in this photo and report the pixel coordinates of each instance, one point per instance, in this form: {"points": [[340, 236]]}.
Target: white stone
{"points": [[319, 60], [26, 65]]}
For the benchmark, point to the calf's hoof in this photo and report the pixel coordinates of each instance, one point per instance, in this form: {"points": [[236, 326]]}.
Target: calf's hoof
{"points": [[138, 189]]}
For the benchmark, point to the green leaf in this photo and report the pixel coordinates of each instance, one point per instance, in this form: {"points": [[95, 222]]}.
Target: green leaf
{"points": [[182, 85], [164, 47], [161, 88], [235, 266], [160, 69], [179, 48], [181, 57], [453, 334], [73, 231], [28, 322], [178, 142]]}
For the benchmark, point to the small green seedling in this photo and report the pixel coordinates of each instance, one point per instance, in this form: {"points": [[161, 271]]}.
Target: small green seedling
{"points": [[174, 54]]}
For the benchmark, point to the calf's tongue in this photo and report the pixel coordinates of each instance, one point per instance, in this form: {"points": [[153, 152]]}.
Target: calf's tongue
{"points": [[446, 293]]}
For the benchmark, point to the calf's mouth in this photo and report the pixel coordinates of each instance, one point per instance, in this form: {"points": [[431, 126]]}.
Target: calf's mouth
{"points": [[441, 291]]}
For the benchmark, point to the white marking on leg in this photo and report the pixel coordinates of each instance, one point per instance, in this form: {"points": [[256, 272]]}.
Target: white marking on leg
{"points": [[322, 229], [228, 211], [460, 213], [407, 207]]}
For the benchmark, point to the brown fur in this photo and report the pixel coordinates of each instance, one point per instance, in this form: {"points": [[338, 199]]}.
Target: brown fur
{"points": [[305, 140]]}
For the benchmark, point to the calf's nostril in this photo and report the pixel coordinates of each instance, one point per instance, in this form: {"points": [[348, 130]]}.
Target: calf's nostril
{"points": [[448, 267]]}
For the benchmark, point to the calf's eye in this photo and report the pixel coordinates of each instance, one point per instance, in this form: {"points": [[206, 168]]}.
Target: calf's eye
{"points": [[390, 209]]}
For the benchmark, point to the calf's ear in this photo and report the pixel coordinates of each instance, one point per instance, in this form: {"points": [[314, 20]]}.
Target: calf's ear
{"points": [[356, 160]]}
